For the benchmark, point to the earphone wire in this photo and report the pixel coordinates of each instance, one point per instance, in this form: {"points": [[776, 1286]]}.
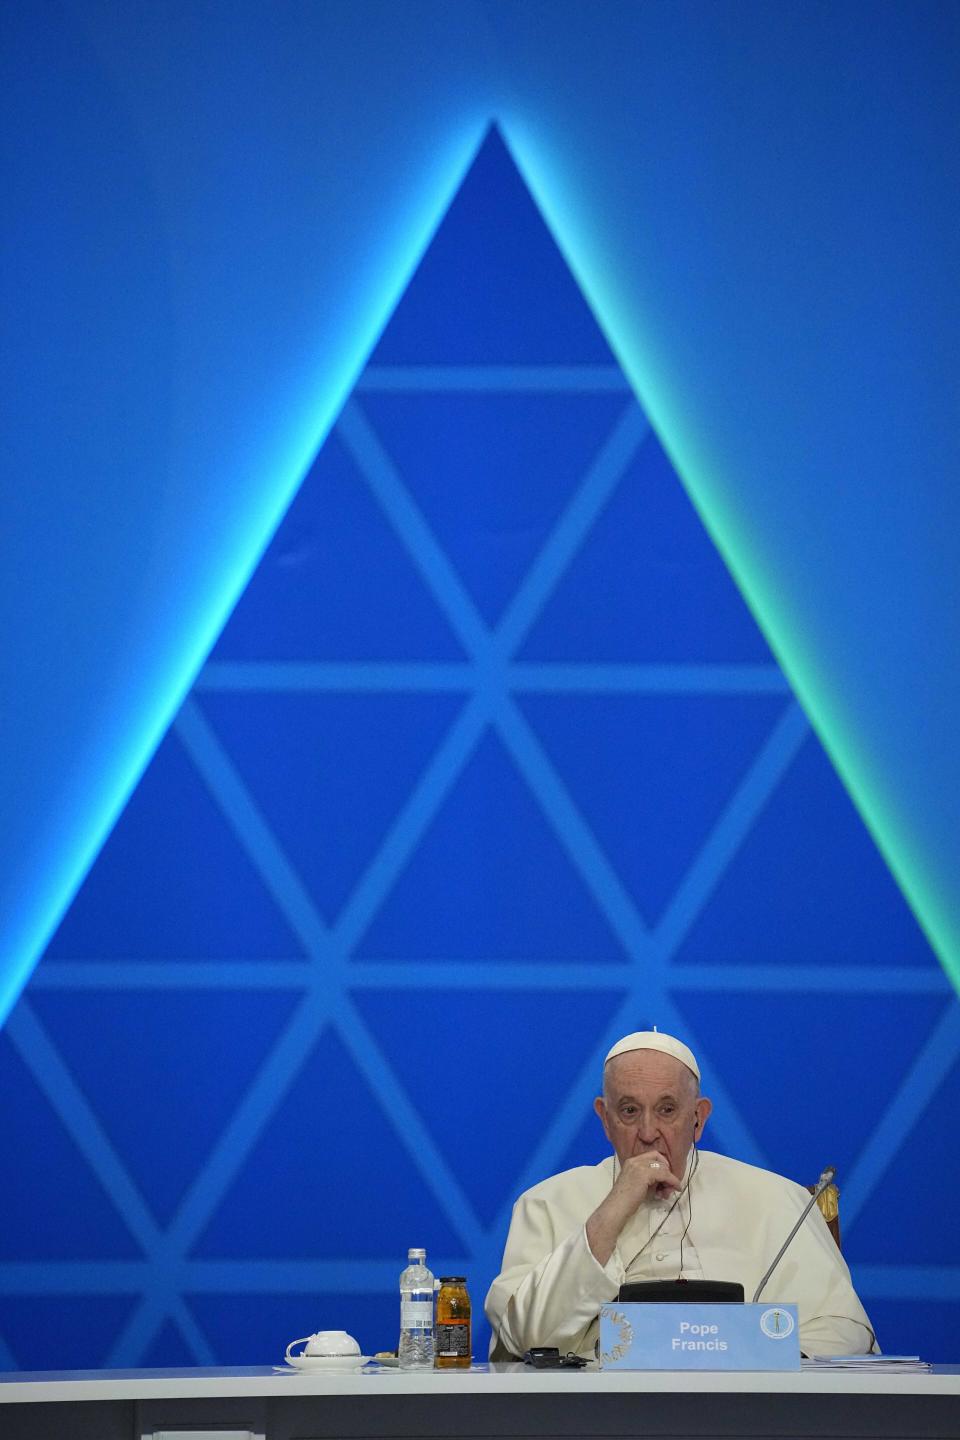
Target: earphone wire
{"points": [[689, 1194]]}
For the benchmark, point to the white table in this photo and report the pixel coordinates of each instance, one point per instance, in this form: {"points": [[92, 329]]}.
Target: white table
{"points": [[487, 1401]]}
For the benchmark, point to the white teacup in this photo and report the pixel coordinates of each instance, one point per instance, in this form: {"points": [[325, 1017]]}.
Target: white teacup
{"points": [[330, 1344]]}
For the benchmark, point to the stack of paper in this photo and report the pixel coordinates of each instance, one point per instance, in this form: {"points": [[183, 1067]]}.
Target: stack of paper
{"points": [[877, 1364]]}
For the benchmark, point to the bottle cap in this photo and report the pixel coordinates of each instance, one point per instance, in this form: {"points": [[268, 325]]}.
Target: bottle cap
{"points": [[453, 1279]]}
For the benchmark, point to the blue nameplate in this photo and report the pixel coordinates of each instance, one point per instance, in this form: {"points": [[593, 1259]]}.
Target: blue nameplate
{"points": [[638, 1336]]}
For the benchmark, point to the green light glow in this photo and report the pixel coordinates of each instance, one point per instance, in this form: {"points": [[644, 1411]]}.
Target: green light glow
{"points": [[709, 489]]}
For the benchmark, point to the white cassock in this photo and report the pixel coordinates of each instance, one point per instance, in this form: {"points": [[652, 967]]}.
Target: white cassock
{"points": [[728, 1224]]}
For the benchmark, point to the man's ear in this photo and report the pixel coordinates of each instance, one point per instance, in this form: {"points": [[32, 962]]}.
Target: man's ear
{"points": [[601, 1111], [702, 1110]]}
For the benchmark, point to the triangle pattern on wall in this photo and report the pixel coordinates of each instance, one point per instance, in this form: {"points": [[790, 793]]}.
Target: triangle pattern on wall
{"points": [[846, 900], [150, 1090], [331, 1139], [336, 582], [478, 296], [652, 774], [162, 886], [647, 584], [382, 888], [330, 772], [825, 1128], [55, 1209], [467, 1121], [458, 898], [470, 479]]}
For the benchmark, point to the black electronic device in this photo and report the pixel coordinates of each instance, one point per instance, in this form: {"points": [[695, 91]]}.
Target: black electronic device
{"points": [[684, 1292], [548, 1357]]}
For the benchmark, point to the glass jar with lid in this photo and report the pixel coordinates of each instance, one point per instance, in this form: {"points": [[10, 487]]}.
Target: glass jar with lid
{"points": [[452, 1330]]}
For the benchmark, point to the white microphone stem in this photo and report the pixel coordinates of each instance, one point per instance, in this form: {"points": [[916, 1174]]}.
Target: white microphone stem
{"points": [[822, 1184]]}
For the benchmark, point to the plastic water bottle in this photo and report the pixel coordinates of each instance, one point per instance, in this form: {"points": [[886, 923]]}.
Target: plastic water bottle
{"points": [[416, 1314]]}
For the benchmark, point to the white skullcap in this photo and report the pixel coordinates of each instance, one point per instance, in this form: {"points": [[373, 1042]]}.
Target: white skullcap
{"points": [[653, 1040]]}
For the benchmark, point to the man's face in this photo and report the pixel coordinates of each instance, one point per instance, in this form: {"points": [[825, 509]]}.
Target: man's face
{"points": [[650, 1102]]}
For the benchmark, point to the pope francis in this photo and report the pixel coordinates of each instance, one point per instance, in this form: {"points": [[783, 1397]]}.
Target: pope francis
{"points": [[660, 1208]]}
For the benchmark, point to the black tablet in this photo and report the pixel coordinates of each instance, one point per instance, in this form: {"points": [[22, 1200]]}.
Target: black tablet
{"points": [[684, 1292]]}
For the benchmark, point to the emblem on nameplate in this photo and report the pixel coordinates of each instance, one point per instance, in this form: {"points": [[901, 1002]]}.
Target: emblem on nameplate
{"points": [[776, 1323], [623, 1338]]}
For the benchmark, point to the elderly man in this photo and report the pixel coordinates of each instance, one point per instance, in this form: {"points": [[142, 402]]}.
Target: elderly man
{"points": [[660, 1209]]}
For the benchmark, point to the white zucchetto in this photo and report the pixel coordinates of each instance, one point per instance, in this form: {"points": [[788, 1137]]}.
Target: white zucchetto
{"points": [[653, 1040]]}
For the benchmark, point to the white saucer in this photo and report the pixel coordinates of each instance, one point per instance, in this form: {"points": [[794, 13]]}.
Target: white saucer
{"points": [[326, 1362]]}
